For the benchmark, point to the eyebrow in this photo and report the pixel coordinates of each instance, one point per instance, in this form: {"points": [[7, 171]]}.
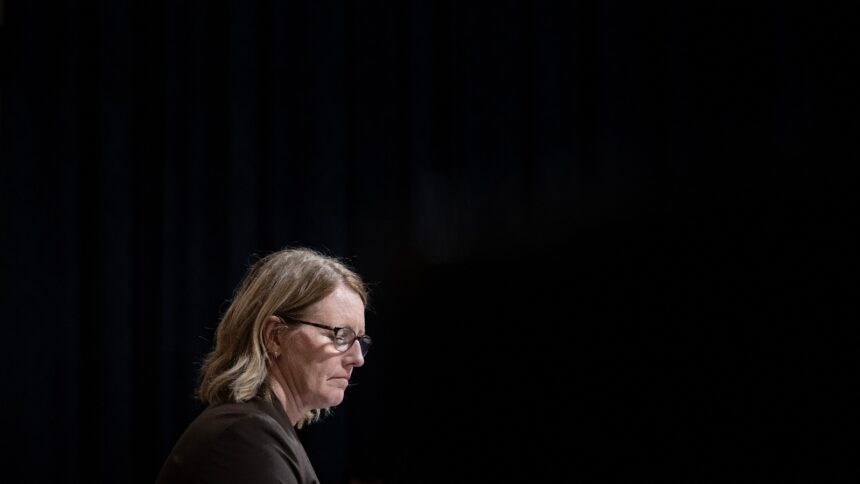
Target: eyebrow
{"points": [[357, 334], [330, 326]]}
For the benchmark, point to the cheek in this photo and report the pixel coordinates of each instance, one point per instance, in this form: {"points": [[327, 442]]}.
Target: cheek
{"points": [[323, 373], [315, 372], [324, 370]]}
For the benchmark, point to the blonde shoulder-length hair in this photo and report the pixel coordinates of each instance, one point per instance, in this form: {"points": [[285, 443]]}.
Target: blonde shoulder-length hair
{"points": [[285, 282]]}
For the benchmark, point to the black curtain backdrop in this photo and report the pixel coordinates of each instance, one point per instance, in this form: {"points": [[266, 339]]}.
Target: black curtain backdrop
{"points": [[605, 240]]}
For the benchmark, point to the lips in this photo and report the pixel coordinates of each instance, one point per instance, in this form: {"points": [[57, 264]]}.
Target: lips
{"points": [[340, 381]]}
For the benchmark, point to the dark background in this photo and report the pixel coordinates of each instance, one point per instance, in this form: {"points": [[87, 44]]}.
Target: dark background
{"points": [[605, 239]]}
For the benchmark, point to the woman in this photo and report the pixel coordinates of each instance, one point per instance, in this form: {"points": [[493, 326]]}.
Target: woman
{"points": [[284, 352]]}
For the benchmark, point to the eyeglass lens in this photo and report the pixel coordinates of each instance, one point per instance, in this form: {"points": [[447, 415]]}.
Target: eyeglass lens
{"points": [[345, 337]]}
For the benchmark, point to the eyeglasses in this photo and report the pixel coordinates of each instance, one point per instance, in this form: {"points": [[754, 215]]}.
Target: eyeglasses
{"points": [[343, 339]]}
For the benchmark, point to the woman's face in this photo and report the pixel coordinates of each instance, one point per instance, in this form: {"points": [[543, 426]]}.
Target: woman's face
{"points": [[316, 373]]}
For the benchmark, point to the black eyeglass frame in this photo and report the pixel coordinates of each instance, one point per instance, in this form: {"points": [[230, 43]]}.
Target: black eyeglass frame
{"points": [[364, 340]]}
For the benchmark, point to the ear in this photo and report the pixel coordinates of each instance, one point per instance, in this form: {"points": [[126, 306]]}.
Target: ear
{"points": [[271, 335]]}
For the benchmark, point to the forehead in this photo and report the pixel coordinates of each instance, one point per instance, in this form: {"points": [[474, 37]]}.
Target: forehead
{"points": [[343, 307]]}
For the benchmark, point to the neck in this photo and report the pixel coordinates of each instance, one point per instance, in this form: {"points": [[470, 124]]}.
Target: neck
{"points": [[285, 397]]}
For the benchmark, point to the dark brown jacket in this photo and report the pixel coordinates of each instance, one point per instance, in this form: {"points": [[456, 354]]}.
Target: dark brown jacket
{"points": [[250, 442]]}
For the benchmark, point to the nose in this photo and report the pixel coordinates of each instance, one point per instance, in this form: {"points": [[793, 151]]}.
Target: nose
{"points": [[354, 356]]}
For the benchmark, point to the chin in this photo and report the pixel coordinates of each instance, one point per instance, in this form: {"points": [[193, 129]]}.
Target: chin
{"points": [[334, 399]]}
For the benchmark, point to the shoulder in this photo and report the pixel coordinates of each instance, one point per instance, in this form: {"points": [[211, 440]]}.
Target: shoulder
{"points": [[249, 425], [240, 442], [253, 428], [254, 448]]}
